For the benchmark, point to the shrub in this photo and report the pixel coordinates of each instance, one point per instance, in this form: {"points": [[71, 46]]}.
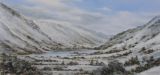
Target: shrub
{"points": [[149, 64], [132, 61], [148, 51], [58, 68], [13, 65], [47, 69], [112, 68], [73, 63]]}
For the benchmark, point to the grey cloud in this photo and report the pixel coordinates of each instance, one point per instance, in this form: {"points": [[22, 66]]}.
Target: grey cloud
{"points": [[106, 23]]}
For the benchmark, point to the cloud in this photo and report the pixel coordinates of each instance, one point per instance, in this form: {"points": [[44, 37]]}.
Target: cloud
{"points": [[62, 11], [105, 9], [121, 21]]}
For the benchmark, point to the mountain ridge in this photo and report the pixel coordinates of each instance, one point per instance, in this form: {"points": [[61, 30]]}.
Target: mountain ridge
{"points": [[152, 27], [22, 35]]}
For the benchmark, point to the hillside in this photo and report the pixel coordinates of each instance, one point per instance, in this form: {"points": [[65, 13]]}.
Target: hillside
{"points": [[138, 48], [22, 35], [143, 36]]}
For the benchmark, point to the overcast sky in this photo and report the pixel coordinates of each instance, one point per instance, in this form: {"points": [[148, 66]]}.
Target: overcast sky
{"points": [[107, 16]]}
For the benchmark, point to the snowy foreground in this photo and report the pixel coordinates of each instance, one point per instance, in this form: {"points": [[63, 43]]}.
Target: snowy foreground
{"points": [[65, 62], [82, 62], [153, 71]]}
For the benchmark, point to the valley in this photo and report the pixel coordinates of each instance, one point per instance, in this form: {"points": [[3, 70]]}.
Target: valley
{"points": [[77, 62], [47, 47], [85, 62]]}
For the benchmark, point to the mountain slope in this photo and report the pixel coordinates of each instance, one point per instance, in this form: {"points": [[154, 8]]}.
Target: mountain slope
{"points": [[142, 36], [22, 35], [142, 43], [137, 39]]}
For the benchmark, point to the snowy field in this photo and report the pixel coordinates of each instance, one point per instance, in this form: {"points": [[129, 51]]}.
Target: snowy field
{"points": [[84, 61], [153, 71], [67, 62]]}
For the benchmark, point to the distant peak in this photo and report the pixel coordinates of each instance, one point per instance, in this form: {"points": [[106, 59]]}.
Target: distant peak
{"points": [[154, 20], [10, 10], [4, 6], [157, 16]]}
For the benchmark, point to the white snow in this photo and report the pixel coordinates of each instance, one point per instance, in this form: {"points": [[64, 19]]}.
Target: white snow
{"points": [[25, 35], [152, 71]]}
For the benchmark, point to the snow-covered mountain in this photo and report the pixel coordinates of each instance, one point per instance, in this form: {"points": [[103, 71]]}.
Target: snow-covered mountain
{"points": [[143, 36], [142, 43], [19, 34]]}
